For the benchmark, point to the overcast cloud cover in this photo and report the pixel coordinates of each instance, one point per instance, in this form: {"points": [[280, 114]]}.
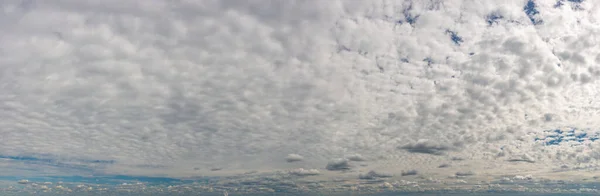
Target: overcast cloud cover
{"points": [[162, 87]]}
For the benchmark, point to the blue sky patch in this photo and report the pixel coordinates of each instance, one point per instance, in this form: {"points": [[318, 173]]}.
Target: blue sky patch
{"points": [[454, 37], [408, 17], [531, 11], [107, 180], [493, 18], [557, 136], [37, 163]]}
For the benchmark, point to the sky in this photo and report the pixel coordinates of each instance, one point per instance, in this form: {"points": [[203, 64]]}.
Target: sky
{"points": [[340, 94]]}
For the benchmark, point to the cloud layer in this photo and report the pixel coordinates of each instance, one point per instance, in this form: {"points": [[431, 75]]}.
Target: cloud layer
{"points": [[163, 87]]}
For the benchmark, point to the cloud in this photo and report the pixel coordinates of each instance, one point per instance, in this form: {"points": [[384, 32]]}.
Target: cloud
{"points": [[463, 174], [425, 146], [373, 175], [237, 84], [522, 158], [526, 177], [293, 158], [356, 157], [338, 165], [409, 173], [304, 172], [457, 158]]}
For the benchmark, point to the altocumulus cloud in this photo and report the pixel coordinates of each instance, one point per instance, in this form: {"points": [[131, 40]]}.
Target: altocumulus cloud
{"points": [[193, 84]]}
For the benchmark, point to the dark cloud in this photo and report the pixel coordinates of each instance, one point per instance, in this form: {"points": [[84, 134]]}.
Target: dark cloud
{"points": [[426, 147], [338, 165], [462, 174], [522, 158], [293, 158], [373, 175], [409, 173], [356, 157]]}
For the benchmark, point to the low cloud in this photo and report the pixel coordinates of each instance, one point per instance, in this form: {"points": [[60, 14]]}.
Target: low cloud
{"points": [[338, 165], [426, 147], [522, 178], [522, 158], [293, 158], [445, 165], [304, 172], [463, 174], [409, 173], [457, 158], [356, 157], [373, 175]]}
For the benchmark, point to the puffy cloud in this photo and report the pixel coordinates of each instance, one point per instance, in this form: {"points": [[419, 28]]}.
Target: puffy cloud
{"points": [[294, 158], [526, 177], [425, 146], [356, 157], [373, 175], [409, 173], [338, 164], [304, 172], [457, 158], [463, 174], [244, 83], [522, 158]]}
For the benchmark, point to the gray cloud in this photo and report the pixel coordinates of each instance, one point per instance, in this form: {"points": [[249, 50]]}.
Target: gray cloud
{"points": [[338, 165], [244, 83], [293, 158], [356, 157], [425, 146], [463, 174], [373, 175], [522, 158], [409, 173], [457, 158]]}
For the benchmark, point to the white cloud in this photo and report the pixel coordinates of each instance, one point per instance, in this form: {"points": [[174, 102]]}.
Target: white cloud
{"points": [[304, 172], [162, 87], [526, 177]]}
